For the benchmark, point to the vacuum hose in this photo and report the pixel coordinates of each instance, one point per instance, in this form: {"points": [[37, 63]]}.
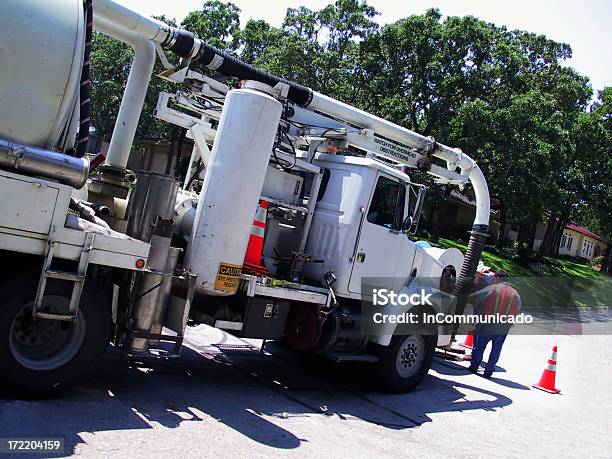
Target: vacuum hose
{"points": [[184, 44], [228, 65], [463, 287]]}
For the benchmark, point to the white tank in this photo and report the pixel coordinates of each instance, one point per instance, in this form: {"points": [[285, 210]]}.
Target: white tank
{"points": [[41, 54], [231, 189]]}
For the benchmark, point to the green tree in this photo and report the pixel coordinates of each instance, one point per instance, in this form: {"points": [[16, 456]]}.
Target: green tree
{"points": [[316, 48], [595, 135], [110, 67], [217, 22], [503, 96]]}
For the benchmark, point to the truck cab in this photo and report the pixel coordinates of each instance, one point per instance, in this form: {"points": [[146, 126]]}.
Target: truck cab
{"points": [[362, 222]]}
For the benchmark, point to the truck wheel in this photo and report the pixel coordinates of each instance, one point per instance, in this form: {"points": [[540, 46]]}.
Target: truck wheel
{"points": [[42, 357], [405, 362]]}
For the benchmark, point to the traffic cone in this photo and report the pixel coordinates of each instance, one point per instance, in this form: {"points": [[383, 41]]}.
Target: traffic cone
{"points": [[252, 260], [547, 381], [469, 341]]}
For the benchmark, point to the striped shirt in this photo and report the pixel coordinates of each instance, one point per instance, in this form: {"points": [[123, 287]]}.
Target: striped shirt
{"points": [[498, 299]]}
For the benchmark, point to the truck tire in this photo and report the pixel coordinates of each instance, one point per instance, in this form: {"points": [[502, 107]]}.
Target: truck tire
{"points": [[405, 361], [38, 359]]}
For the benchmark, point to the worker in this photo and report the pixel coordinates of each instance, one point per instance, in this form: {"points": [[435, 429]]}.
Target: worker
{"points": [[492, 297]]}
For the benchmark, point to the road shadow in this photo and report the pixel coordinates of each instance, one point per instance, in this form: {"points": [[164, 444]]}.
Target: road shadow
{"points": [[446, 367], [239, 387]]}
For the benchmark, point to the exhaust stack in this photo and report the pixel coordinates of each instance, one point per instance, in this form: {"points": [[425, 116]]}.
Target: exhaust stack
{"points": [[50, 164]]}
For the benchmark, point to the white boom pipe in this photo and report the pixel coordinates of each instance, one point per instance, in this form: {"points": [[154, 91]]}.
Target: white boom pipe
{"points": [[135, 89], [131, 21], [481, 192], [345, 112], [454, 157]]}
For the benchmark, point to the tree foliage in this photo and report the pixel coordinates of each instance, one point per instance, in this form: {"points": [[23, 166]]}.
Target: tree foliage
{"points": [[217, 22]]}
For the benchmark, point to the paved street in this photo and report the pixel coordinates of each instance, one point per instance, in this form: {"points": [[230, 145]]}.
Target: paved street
{"points": [[225, 399]]}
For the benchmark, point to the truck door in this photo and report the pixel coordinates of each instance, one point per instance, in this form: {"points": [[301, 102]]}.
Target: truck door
{"points": [[382, 247]]}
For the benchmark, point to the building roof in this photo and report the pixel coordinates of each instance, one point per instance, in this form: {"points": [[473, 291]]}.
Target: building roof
{"points": [[585, 231]]}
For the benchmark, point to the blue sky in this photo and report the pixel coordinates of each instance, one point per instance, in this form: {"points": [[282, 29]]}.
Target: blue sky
{"points": [[585, 25]]}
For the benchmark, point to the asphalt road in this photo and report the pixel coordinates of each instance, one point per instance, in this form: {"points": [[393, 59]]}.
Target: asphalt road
{"points": [[226, 399]]}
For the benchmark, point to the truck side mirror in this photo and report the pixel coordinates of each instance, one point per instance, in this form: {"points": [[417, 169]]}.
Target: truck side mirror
{"points": [[416, 213]]}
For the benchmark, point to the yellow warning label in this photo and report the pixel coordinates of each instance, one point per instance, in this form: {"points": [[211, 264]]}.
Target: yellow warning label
{"points": [[228, 277]]}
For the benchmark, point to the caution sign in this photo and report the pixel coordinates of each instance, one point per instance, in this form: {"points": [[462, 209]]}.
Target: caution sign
{"points": [[228, 277]]}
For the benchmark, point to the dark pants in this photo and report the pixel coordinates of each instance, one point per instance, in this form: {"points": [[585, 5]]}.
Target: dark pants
{"points": [[480, 343]]}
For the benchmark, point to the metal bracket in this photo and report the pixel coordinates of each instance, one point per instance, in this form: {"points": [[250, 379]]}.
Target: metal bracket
{"points": [[166, 63], [281, 90]]}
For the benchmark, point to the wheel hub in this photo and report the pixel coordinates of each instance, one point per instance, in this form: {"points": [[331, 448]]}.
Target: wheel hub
{"points": [[30, 332], [410, 356]]}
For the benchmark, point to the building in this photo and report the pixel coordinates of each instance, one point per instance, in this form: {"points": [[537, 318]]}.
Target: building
{"points": [[578, 241], [456, 221], [149, 154]]}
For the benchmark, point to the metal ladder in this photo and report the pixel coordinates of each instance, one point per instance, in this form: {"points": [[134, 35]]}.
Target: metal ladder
{"points": [[78, 279]]}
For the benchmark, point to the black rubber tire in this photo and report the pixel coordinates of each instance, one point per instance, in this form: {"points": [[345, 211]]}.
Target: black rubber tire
{"points": [[20, 381], [389, 379]]}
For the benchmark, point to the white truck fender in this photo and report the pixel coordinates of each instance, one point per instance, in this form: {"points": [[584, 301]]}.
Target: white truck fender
{"points": [[446, 257]]}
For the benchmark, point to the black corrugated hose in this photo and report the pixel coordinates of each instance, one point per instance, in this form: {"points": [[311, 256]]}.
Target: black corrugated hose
{"points": [[182, 45], [463, 287], [234, 67], [85, 95]]}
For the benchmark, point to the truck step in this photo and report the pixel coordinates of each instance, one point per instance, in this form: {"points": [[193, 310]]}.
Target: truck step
{"points": [[65, 318], [348, 357], [62, 275]]}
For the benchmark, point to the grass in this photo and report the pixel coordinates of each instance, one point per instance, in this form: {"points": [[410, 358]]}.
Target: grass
{"points": [[563, 281], [495, 261]]}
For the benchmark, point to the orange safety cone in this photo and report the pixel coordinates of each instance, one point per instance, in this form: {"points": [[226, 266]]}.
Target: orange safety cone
{"points": [[469, 341], [547, 381], [252, 260]]}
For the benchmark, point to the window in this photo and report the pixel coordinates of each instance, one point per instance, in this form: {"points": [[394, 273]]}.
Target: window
{"points": [[387, 207], [568, 241]]}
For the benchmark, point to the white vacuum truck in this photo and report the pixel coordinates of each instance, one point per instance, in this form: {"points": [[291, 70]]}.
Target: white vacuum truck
{"points": [[291, 202]]}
